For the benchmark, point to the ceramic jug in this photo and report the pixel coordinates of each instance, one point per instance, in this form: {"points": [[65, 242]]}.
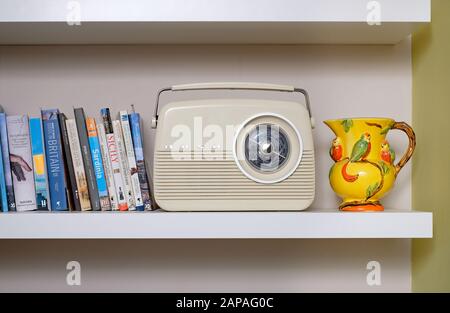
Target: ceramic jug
{"points": [[364, 170]]}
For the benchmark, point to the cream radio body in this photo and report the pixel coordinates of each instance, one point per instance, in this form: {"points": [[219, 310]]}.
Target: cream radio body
{"points": [[234, 154]]}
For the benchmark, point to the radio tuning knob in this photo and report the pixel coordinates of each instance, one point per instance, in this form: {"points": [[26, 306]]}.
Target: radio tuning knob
{"points": [[267, 148]]}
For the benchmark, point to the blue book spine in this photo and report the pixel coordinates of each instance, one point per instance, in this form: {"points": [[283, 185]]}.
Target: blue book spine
{"points": [[7, 164], [37, 151], [3, 193], [135, 125], [97, 163], [55, 162]]}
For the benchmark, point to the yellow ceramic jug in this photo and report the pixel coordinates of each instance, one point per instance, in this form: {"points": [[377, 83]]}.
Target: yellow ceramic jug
{"points": [[364, 169]]}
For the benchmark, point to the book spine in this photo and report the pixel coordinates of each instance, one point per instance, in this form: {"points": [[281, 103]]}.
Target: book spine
{"points": [[3, 192], [114, 156], [73, 196], [107, 166], [124, 167], [80, 119], [55, 162], [97, 163], [135, 123], [132, 167], [40, 172], [21, 162], [6, 163], [78, 165]]}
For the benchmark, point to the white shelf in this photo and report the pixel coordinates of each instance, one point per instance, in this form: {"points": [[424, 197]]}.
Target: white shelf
{"points": [[209, 22], [154, 225]]}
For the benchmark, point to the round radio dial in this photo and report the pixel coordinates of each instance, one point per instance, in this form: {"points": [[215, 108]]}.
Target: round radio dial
{"points": [[266, 147]]}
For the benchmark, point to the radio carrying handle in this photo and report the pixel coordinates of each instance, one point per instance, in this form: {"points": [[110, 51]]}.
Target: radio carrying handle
{"points": [[232, 86]]}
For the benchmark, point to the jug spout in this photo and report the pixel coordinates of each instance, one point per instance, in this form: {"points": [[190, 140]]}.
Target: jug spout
{"points": [[333, 125]]}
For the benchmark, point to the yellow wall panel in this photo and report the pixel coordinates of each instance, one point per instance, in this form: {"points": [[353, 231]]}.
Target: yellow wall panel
{"points": [[431, 165]]}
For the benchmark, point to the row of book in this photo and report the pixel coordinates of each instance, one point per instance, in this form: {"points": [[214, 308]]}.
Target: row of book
{"points": [[60, 164]]}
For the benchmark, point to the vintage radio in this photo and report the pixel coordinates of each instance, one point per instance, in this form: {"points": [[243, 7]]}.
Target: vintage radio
{"points": [[233, 154]]}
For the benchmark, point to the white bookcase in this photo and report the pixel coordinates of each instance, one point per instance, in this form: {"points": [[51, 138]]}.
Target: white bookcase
{"points": [[180, 22]]}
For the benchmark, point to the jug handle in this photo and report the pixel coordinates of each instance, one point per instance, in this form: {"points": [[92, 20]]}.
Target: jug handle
{"points": [[411, 147]]}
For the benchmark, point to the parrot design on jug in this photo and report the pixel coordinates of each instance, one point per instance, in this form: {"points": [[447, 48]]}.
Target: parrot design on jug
{"points": [[387, 154], [336, 150], [360, 151]]}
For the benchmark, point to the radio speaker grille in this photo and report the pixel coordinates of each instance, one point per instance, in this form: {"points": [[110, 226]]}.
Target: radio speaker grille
{"points": [[216, 176]]}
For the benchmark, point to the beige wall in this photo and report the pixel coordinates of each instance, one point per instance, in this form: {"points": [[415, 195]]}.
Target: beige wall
{"points": [[343, 81]]}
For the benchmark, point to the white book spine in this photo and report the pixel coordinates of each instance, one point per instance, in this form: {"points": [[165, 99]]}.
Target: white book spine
{"points": [[117, 129], [107, 166], [78, 165], [21, 162], [132, 167], [117, 173]]}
